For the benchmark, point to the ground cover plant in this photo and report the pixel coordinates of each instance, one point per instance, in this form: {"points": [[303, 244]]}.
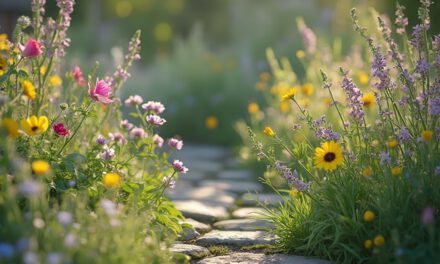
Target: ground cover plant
{"points": [[77, 183], [356, 141]]}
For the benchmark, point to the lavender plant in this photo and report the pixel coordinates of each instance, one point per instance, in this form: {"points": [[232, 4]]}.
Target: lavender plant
{"points": [[362, 178]]}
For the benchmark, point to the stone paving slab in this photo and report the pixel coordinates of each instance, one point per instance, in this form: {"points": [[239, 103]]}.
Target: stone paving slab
{"points": [[243, 225], [236, 175], [188, 234], [251, 199], [256, 258], [206, 212], [248, 212], [198, 226], [202, 166], [235, 238], [205, 193], [233, 186], [188, 249]]}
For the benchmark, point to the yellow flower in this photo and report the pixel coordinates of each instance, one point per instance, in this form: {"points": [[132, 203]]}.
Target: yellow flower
{"points": [[264, 76], [55, 80], [392, 143], [367, 172], [368, 243], [253, 108], [260, 86], [280, 88], [300, 54], [29, 89], [35, 125], [211, 122], [375, 143], [268, 131], [290, 94], [427, 135], [307, 89], [4, 42], [368, 99], [363, 77], [396, 171], [2, 72], [284, 107], [42, 70], [328, 156], [11, 127], [379, 240], [294, 193], [111, 180], [40, 166], [368, 216]]}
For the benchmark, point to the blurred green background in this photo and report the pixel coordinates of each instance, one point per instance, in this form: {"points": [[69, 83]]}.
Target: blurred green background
{"points": [[202, 58]]}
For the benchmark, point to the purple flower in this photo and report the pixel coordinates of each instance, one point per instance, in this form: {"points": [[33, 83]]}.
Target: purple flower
{"points": [[417, 36], [296, 126], [434, 106], [109, 207], [118, 137], [155, 107], [385, 158], [65, 218], [108, 153], [126, 125], [101, 140], [354, 97], [101, 92], [437, 170], [169, 182], [401, 20], [158, 140], [404, 135], [122, 74], [134, 100], [175, 143], [138, 133], [178, 166], [155, 120], [380, 70], [6, 251], [30, 188], [422, 67], [62, 41], [427, 215], [291, 177]]}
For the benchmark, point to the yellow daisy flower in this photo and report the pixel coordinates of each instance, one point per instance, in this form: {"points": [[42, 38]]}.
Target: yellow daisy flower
{"points": [[253, 108], [268, 132], [300, 54], [368, 244], [363, 77], [392, 143], [290, 94], [55, 80], [40, 166], [307, 89], [368, 99], [368, 216], [367, 172], [329, 156], [396, 171], [111, 180], [11, 127], [35, 125], [427, 135], [29, 89], [379, 240]]}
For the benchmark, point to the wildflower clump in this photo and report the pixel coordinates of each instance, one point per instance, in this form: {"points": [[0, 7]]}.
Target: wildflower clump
{"points": [[363, 151], [77, 174]]}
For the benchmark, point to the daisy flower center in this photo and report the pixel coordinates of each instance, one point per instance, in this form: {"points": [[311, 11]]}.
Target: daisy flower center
{"points": [[329, 157], [34, 128]]}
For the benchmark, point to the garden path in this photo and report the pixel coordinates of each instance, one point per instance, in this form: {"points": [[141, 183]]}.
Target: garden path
{"points": [[218, 198]]}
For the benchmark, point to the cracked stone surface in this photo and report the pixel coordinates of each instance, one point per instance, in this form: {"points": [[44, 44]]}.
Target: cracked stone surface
{"points": [[254, 258], [235, 238], [243, 225]]}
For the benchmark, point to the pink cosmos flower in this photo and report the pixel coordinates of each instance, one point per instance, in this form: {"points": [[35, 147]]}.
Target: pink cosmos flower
{"points": [[138, 133], [126, 125], [78, 75], [158, 140], [101, 92], [175, 143], [60, 129], [134, 100], [156, 107], [32, 49], [178, 166], [155, 120]]}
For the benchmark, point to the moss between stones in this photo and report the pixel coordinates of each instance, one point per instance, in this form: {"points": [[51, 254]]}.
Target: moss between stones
{"points": [[219, 250], [265, 248]]}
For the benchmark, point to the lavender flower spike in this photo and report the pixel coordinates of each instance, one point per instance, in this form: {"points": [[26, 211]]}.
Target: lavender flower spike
{"points": [[353, 97], [291, 177]]}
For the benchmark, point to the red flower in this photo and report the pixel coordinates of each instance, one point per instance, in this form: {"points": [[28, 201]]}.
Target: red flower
{"points": [[32, 49], [60, 130]]}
